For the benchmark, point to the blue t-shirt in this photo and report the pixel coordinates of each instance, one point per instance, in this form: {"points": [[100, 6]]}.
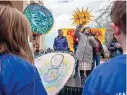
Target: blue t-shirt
{"points": [[19, 77], [108, 78]]}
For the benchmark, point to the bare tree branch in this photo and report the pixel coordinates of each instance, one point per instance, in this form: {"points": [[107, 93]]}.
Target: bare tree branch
{"points": [[104, 18]]}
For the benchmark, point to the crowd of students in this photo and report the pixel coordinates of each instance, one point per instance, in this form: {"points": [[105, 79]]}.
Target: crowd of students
{"points": [[18, 75]]}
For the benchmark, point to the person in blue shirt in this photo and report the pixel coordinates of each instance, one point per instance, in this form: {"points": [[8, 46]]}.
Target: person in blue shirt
{"points": [[18, 75], [109, 78], [60, 42]]}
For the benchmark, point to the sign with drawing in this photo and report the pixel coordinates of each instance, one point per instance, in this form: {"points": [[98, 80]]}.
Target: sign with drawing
{"points": [[40, 18], [55, 69]]}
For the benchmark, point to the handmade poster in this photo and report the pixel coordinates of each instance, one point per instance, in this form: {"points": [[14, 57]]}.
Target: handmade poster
{"points": [[100, 32], [39, 17], [81, 17], [69, 33], [55, 69]]}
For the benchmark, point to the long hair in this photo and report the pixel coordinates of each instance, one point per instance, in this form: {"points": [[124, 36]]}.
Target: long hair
{"points": [[14, 32], [7, 3]]}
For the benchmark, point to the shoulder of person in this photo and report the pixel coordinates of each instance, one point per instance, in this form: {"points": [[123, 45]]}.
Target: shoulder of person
{"points": [[64, 37], [56, 37], [18, 73], [91, 37], [106, 76], [18, 59], [112, 65], [20, 67]]}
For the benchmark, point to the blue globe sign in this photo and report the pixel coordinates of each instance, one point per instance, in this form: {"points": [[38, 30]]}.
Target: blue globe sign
{"points": [[39, 17]]}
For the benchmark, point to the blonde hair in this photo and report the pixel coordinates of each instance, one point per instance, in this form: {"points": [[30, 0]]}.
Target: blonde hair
{"points": [[14, 32]]}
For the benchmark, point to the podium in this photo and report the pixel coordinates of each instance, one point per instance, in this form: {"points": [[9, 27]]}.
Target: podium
{"points": [[72, 87]]}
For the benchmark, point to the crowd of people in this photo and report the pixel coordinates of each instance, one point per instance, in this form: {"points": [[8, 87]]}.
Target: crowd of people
{"points": [[87, 49], [18, 75]]}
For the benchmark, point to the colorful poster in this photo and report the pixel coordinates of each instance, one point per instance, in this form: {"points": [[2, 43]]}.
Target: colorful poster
{"points": [[69, 33], [40, 18], [100, 32], [81, 16], [55, 69]]}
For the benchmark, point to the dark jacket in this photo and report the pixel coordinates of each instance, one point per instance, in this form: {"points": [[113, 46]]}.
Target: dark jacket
{"points": [[113, 50], [112, 47], [60, 44], [75, 40]]}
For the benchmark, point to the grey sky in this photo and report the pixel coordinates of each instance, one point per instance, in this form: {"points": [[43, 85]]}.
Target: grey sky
{"points": [[62, 13]]}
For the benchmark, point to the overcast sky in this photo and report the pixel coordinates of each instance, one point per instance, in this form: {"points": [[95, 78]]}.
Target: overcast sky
{"points": [[62, 13]]}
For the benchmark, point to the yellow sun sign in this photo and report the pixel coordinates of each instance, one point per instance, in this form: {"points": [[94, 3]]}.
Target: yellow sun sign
{"points": [[80, 16]]}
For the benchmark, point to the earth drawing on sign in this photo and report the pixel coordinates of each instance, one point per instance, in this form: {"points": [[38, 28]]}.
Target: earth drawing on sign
{"points": [[39, 17], [55, 69]]}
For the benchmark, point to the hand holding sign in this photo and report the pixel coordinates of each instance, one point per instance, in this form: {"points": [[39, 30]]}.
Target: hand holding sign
{"points": [[81, 17]]}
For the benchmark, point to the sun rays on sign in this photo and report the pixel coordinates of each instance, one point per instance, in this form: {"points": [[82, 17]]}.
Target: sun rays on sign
{"points": [[80, 16]]}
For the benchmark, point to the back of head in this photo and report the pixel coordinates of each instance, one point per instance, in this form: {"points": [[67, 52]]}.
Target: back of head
{"points": [[118, 15], [14, 32]]}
